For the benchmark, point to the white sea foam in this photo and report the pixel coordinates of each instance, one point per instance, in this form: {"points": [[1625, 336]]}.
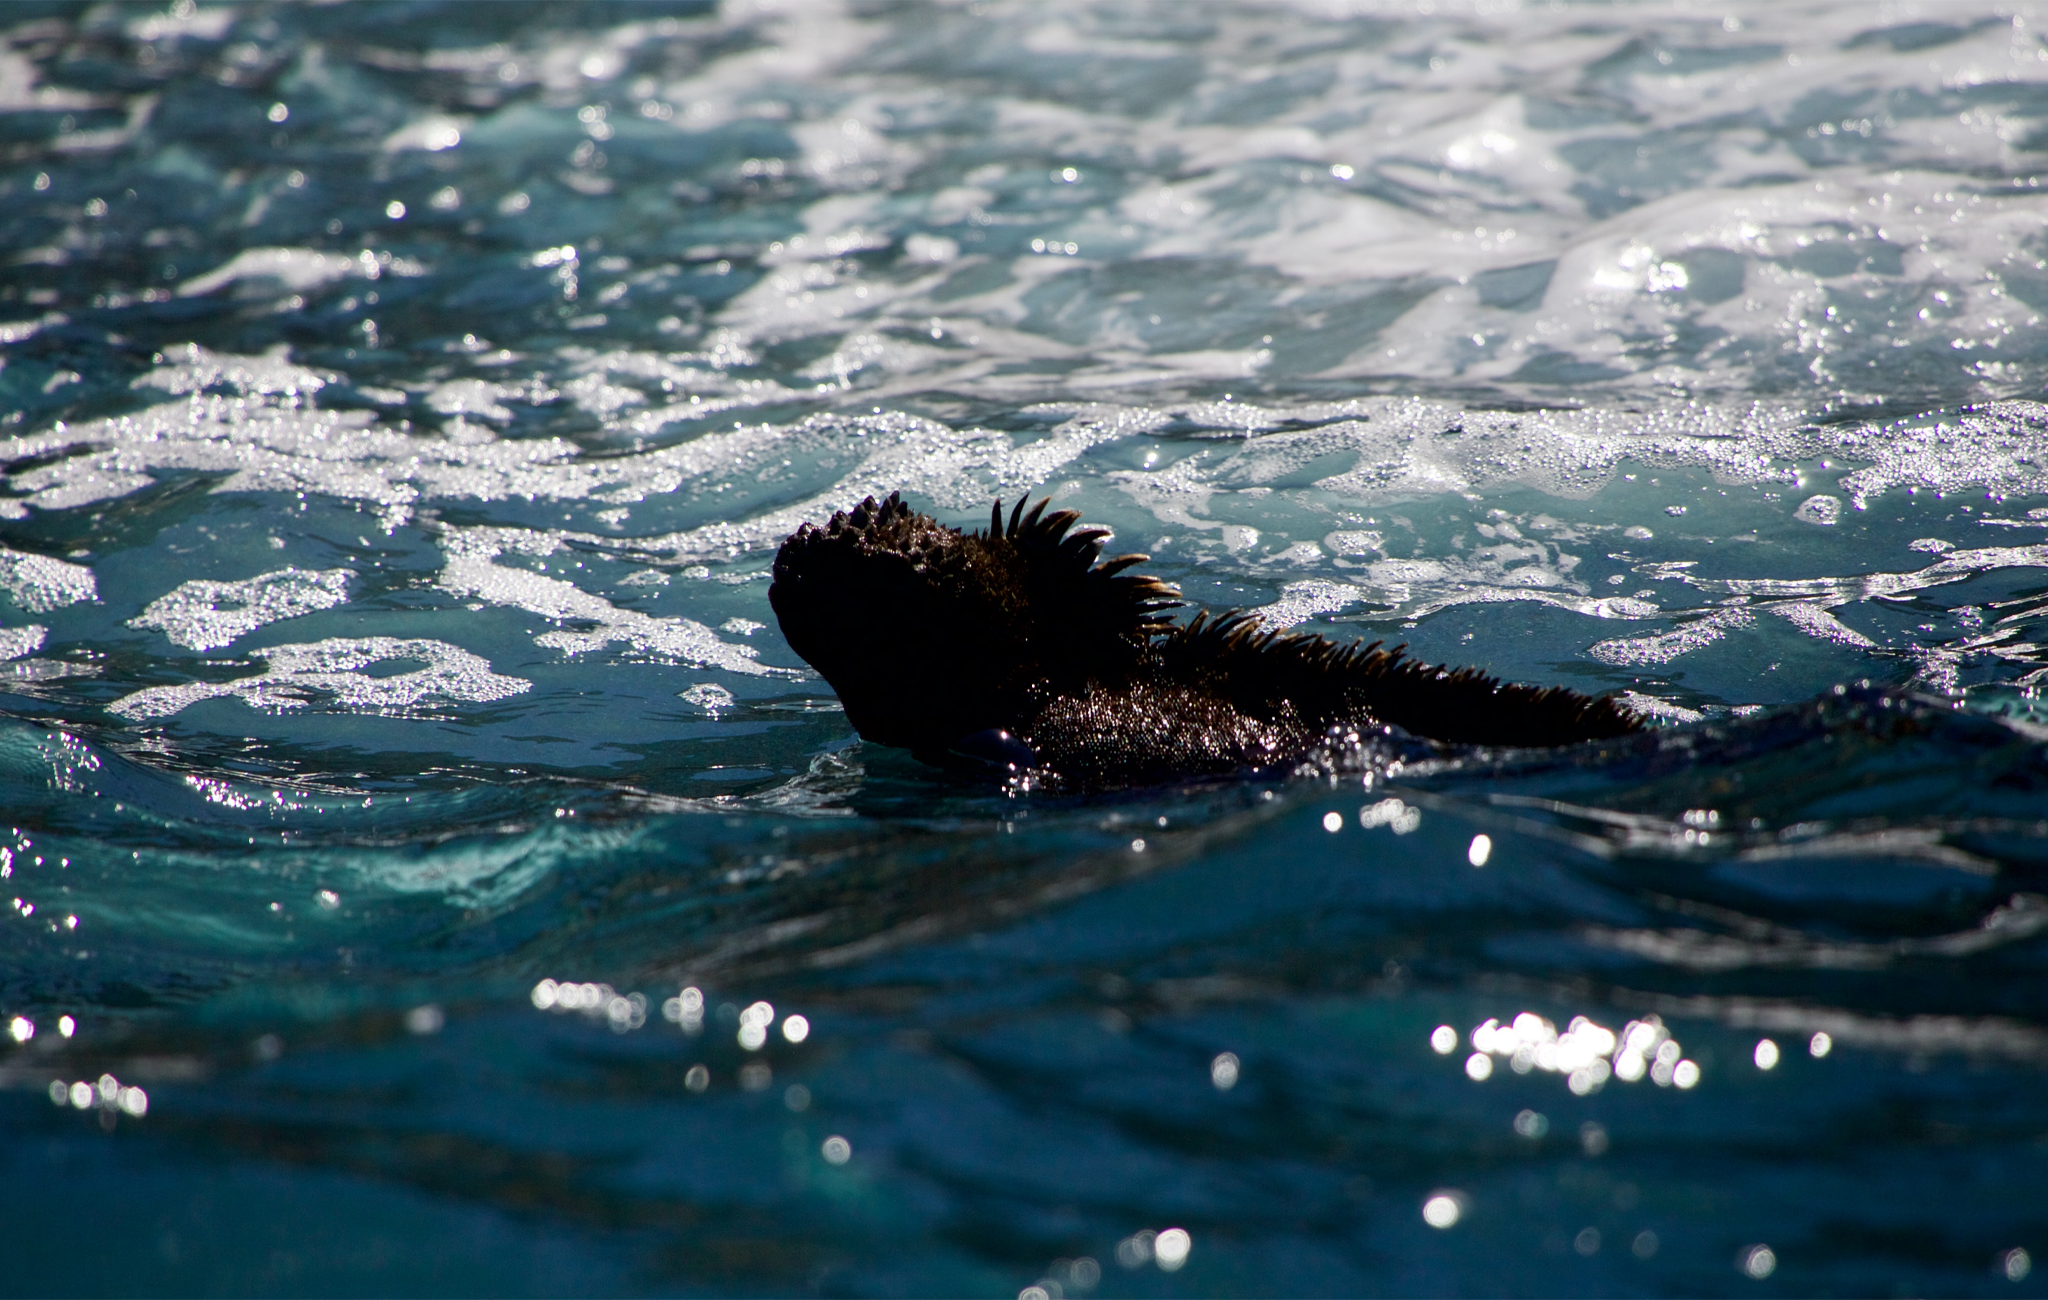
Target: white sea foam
{"points": [[40, 583], [1423, 183], [1807, 603], [260, 445], [1395, 448], [1817, 622], [472, 572], [1656, 651], [328, 675], [268, 439], [204, 614], [1301, 601], [15, 642], [294, 270], [192, 369], [710, 697]]}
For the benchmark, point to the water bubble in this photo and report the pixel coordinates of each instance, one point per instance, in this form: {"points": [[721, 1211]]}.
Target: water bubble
{"points": [[1442, 1209], [1333, 822], [1443, 1040], [1223, 1071], [1593, 1139], [1685, 1074], [685, 1009], [796, 1028], [1171, 1248], [1825, 511], [1587, 1242], [2016, 1264], [1480, 850], [1820, 1044], [697, 1078], [1645, 1244], [1391, 813], [836, 1150], [624, 1013], [1479, 1067], [754, 1022], [1758, 1262], [1766, 1054], [427, 1019], [1531, 1124], [21, 1029]]}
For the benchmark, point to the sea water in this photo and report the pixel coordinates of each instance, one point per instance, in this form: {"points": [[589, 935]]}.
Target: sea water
{"points": [[427, 870]]}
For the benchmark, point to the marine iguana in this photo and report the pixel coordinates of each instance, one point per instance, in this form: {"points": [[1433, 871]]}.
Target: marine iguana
{"points": [[1020, 649]]}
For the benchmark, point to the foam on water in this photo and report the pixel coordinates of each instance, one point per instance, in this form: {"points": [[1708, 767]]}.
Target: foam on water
{"points": [[329, 674], [472, 572], [203, 614], [38, 583]]}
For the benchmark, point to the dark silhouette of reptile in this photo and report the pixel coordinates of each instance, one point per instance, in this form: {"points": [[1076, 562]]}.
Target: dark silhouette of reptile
{"points": [[1016, 649]]}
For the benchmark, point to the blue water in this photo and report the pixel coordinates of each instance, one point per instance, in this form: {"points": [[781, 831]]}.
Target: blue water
{"points": [[429, 872]]}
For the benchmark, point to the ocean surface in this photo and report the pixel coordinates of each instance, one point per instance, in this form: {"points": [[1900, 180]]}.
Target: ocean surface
{"points": [[428, 871]]}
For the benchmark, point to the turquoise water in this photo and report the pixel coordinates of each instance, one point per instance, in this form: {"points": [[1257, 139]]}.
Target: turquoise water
{"points": [[428, 871]]}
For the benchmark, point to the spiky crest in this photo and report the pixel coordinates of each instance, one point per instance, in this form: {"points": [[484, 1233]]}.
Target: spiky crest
{"points": [[1257, 668], [1074, 593]]}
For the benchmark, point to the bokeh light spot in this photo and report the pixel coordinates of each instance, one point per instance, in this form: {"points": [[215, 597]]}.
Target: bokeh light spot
{"points": [[1759, 1262], [1223, 1071], [1171, 1248]]}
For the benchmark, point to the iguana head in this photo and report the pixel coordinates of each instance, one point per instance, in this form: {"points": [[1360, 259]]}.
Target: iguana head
{"points": [[931, 635]]}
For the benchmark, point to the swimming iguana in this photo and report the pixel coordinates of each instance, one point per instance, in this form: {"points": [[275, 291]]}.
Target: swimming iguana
{"points": [[1020, 648]]}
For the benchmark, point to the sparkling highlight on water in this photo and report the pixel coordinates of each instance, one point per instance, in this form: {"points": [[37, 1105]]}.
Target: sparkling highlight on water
{"points": [[1587, 1054], [1223, 1071]]}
